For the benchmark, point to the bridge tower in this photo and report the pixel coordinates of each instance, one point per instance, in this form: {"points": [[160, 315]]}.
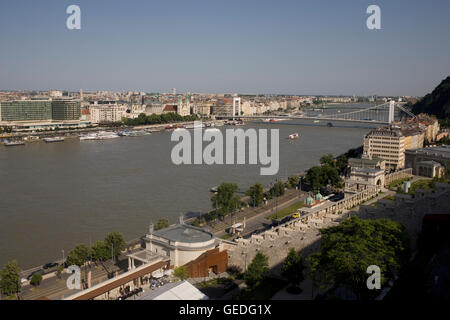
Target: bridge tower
{"points": [[238, 101], [391, 111]]}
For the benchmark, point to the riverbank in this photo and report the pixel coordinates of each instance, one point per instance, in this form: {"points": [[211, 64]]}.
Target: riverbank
{"points": [[79, 192]]}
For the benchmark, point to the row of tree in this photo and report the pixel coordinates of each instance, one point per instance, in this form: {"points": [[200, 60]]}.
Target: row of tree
{"points": [[102, 250], [346, 252], [144, 119]]}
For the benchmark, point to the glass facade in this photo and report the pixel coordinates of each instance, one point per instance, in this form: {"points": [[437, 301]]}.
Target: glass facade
{"points": [[66, 110], [35, 110], [26, 110]]}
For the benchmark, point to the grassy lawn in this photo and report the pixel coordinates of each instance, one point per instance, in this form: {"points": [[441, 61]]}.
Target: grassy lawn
{"points": [[214, 283], [227, 236], [264, 291], [396, 183], [421, 184], [287, 211]]}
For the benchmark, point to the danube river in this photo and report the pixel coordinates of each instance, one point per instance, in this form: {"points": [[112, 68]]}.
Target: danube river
{"points": [[56, 195]]}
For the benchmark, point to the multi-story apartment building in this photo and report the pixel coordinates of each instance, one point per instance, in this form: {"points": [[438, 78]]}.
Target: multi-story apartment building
{"points": [[387, 143], [26, 110], [66, 109], [108, 113], [39, 110]]}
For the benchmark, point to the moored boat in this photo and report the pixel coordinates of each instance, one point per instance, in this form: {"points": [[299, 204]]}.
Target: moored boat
{"points": [[8, 143], [54, 139]]}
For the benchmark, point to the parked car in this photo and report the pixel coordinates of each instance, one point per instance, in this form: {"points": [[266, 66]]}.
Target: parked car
{"points": [[50, 265], [40, 271]]}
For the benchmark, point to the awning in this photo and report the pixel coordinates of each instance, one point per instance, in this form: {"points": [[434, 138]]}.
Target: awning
{"points": [[157, 274]]}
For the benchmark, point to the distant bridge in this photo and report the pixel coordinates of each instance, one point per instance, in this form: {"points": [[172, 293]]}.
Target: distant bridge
{"points": [[380, 114]]}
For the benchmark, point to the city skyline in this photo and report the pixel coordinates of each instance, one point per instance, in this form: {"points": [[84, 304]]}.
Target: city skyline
{"points": [[259, 47]]}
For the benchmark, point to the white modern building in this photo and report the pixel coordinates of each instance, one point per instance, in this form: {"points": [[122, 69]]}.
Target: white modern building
{"points": [[108, 113]]}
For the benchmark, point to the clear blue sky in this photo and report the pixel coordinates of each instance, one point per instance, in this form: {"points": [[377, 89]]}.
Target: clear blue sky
{"points": [[245, 46]]}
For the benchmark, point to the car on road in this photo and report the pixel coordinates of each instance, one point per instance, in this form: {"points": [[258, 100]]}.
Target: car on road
{"points": [[40, 271], [50, 265], [295, 215]]}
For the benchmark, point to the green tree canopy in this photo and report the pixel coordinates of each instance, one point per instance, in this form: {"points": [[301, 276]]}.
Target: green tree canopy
{"points": [[181, 273], [293, 181], [319, 176], [327, 159], [79, 255], [115, 243], [36, 279], [348, 249], [225, 201], [162, 223], [100, 251], [256, 270], [10, 278], [277, 190], [256, 194], [292, 268], [144, 119]]}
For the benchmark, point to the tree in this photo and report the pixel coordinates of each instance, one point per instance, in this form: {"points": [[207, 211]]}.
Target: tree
{"points": [[348, 249], [10, 278], [100, 251], [60, 270], [256, 270], [36, 279], [292, 268], [225, 201], [162, 223], [327, 159], [115, 243], [78, 256], [293, 181], [181, 273], [277, 190], [319, 176], [256, 194]]}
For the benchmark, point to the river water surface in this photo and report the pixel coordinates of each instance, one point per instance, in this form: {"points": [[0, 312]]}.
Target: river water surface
{"points": [[56, 195]]}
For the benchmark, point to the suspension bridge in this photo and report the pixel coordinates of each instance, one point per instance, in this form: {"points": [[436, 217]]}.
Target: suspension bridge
{"points": [[385, 113]]}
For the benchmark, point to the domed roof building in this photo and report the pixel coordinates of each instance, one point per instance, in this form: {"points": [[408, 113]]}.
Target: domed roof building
{"points": [[318, 196], [310, 201]]}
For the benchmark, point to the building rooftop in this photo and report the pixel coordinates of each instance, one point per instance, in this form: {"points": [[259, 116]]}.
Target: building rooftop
{"points": [[175, 291], [184, 233], [441, 151]]}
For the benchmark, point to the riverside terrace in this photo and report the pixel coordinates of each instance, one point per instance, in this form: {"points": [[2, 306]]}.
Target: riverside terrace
{"points": [[301, 233]]}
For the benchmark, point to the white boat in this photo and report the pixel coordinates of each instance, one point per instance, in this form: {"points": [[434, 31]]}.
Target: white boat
{"points": [[13, 143], [194, 126], [54, 139], [102, 135], [294, 136]]}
